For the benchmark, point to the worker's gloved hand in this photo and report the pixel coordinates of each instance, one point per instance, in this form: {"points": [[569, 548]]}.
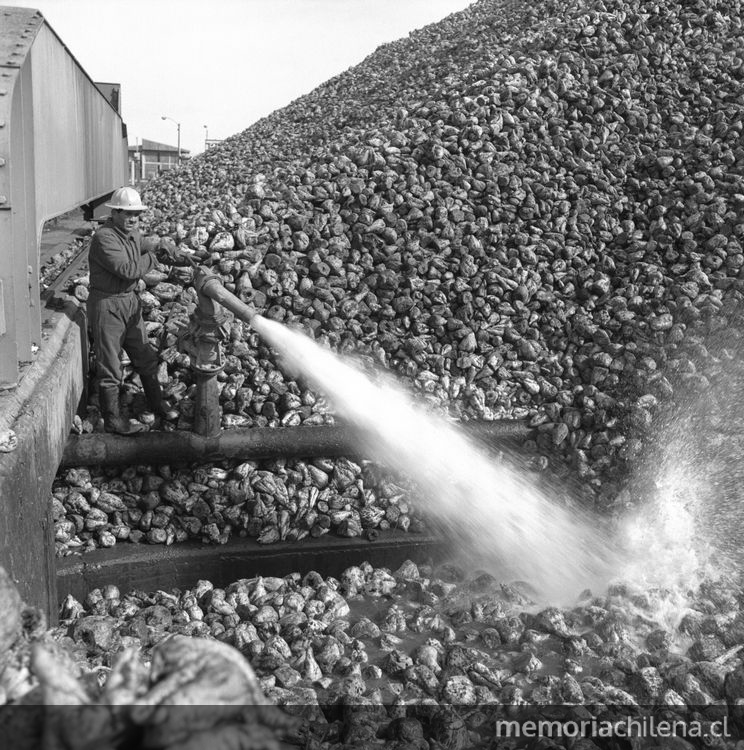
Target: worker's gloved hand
{"points": [[161, 247], [165, 250], [182, 257], [171, 254]]}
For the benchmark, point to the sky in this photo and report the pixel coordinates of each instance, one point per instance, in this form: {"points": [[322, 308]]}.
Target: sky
{"points": [[223, 64]]}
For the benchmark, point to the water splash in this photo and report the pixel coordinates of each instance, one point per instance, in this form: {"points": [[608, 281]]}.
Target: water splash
{"points": [[486, 508], [685, 530], [660, 537]]}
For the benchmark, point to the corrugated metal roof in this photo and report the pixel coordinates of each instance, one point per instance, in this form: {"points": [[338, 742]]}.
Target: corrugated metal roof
{"points": [[155, 146]]}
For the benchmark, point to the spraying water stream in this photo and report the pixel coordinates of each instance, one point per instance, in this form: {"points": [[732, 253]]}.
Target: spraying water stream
{"points": [[485, 507]]}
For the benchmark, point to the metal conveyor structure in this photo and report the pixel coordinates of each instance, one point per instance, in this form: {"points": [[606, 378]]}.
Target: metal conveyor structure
{"points": [[62, 145]]}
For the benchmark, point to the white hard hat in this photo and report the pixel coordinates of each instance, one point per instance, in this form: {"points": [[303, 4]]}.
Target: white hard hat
{"points": [[126, 199]]}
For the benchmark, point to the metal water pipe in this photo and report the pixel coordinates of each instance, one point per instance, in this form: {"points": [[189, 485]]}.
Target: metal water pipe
{"points": [[256, 444], [208, 328], [209, 285]]}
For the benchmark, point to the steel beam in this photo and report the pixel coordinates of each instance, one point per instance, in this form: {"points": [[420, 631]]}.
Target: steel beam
{"points": [[255, 443]]}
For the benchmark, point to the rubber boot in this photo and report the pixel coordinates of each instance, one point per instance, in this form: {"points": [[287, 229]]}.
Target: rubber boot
{"points": [[153, 393], [108, 400], [154, 396]]}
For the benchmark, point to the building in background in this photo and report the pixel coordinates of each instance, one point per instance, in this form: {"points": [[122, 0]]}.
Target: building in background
{"points": [[149, 159]]}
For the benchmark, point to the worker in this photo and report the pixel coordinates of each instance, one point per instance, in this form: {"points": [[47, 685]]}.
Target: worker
{"points": [[117, 260]]}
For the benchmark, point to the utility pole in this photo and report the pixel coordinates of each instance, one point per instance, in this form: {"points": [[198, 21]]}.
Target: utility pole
{"points": [[178, 130]]}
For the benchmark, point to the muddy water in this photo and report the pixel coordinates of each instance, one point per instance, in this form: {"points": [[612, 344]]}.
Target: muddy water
{"points": [[489, 510], [427, 622]]}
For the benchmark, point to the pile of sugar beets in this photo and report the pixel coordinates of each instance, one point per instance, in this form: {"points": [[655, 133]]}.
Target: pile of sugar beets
{"points": [[525, 210]]}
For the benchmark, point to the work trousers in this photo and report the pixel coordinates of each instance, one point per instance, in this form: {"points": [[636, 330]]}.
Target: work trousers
{"points": [[116, 323]]}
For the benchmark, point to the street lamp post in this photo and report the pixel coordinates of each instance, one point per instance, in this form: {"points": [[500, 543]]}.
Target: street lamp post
{"points": [[206, 137], [178, 129]]}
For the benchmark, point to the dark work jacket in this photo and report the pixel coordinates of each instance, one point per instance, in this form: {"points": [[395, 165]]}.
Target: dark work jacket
{"points": [[115, 260]]}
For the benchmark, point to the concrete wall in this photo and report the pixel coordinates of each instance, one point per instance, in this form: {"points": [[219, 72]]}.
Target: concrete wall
{"points": [[40, 411]]}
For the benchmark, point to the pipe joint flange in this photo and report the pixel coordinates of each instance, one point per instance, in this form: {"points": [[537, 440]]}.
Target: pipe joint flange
{"points": [[208, 369], [203, 278], [202, 341], [206, 357], [215, 323]]}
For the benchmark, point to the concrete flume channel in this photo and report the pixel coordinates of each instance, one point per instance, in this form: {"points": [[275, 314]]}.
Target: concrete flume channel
{"points": [[151, 567]]}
